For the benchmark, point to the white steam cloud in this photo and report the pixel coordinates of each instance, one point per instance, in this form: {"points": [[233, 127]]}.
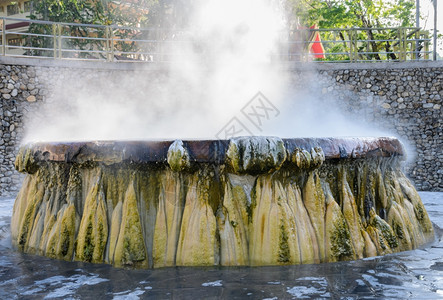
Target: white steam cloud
{"points": [[233, 56]]}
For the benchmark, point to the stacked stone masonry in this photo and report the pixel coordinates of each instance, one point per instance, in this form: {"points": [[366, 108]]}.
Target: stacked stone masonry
{"points": [[403, 99], [406, 102]]}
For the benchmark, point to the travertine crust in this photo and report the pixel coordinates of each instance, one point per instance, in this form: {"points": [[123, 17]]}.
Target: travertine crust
{"points": [[247, 201]]}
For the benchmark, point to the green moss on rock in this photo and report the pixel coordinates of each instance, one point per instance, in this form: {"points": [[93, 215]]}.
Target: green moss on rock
{"points": [[250, 211], [256, 155], [178, 157], [130, 248]]}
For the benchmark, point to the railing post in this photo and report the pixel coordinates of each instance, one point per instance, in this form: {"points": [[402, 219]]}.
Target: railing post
{"points": [[350, 45], [57, 36], [353, 45], [112, 43], [59, 40], [107, 44], [3, 36], [400, 51], [402, 44], [404, 37], [54, 34]]}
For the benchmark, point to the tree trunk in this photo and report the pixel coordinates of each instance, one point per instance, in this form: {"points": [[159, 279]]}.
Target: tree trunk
{"points": [[373, 44], [388, 49]]}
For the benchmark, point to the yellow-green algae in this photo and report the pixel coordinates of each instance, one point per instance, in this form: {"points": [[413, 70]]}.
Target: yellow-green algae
{"points": [[255, 155], [171, 201], [232, 221], [130, 248], [93, 232], [178, 157], [289, 209], [197, 243], [315, 203]]}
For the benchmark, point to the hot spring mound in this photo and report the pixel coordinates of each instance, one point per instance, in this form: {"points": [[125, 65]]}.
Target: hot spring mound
{"points": [[245, 201]]}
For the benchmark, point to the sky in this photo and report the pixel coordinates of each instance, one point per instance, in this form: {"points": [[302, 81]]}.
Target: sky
{"points": [[427, 20]]}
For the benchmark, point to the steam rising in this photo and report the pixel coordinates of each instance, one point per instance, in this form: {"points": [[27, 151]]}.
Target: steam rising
{"points": [[234, 54]]}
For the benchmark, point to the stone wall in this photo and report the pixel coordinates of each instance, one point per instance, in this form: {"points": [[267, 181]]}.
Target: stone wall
{"points": [[404, 99], [19, 90]]}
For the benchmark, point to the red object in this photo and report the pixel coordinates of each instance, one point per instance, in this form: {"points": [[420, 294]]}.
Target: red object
{"points": [[316, 47]]}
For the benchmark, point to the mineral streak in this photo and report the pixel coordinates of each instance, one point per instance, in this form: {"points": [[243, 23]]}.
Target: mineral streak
{"points": [[246, 201]]}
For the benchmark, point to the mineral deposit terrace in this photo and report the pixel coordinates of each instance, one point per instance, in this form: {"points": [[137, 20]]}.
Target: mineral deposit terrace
{"points": [[205, 150]]}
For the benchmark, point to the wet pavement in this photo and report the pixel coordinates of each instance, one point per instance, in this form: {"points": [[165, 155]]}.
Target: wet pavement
{"points": [[416, 274]]}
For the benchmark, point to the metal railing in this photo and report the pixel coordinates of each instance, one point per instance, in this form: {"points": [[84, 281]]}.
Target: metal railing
{"points": [[118, 43], [360, 44]]}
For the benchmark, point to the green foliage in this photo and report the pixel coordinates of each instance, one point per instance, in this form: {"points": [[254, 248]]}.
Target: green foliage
{"points": [[98, 12], [354, 13], [357, 14], [70, 11]]}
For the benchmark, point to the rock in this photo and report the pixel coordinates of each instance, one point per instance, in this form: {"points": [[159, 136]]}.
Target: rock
{"points": [[192, 218], [31, 98], [256, 154], [178, 157]]}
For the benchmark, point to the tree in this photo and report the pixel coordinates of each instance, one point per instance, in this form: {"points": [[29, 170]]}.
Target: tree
{"points": [[357, 13], [130, 13], [105, 12], [69, 11]]}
